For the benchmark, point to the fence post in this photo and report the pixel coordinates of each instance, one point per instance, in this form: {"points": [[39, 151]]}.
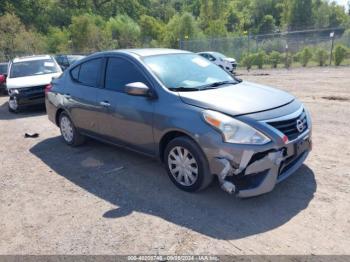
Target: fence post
{"points": [[248, 42], [332, 37]]}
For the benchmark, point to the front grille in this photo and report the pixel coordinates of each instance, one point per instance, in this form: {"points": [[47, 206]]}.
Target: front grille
{"points": [[32, 89], [290, 128]]}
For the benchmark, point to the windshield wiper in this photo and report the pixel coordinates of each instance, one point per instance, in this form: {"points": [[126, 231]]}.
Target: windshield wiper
{"points": [[217, 84], [183, 89]]}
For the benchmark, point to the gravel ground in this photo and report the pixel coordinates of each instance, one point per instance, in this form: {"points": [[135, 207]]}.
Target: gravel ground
{"points": [[99, 199]]}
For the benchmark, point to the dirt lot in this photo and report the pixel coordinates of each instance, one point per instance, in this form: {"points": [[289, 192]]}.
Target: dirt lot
{"points": [[98, 199]]}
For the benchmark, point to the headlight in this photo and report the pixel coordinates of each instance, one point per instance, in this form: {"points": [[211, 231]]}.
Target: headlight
{"points": [[234, 131], [13, 91]]}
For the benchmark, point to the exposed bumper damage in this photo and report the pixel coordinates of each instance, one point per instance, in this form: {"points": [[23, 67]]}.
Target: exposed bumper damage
{"points": [[258, 172]]}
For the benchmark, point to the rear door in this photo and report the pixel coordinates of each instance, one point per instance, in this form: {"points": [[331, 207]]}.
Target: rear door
{"points": [[128, 119], [81, 94]]}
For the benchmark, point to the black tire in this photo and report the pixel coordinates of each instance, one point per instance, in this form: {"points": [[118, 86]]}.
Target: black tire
{"points": [[13, 110], [77, 138], [204, 177]]}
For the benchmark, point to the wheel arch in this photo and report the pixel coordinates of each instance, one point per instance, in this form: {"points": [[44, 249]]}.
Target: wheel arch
{"points": [[167, 137], [57, 115]]}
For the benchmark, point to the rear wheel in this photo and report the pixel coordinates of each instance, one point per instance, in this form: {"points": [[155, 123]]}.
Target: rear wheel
{"points": [[186, 164], [69, 133]]}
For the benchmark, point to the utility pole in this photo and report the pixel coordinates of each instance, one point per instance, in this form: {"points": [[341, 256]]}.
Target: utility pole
{"points": [[332, 37]]}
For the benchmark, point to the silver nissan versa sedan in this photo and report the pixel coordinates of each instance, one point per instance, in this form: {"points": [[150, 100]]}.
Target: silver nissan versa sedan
{"points": [[196, 118]]}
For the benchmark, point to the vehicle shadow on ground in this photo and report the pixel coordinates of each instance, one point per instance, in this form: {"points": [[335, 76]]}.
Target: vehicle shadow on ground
{"points": [[136, 183], [26, 112]]}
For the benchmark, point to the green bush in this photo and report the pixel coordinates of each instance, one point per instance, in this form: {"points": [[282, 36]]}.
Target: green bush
{"points": [[321, 56], [274, 58], [339, 54], [296, 57], [305, 56], [288, 60], [260, 59], [248, 60]]}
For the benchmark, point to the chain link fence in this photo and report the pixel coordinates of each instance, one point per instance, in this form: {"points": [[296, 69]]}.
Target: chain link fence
{"points": [[291, 42]]}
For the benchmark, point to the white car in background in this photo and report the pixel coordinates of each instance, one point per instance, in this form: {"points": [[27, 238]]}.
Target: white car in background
{"points": [[227, 63], [27, 79]]}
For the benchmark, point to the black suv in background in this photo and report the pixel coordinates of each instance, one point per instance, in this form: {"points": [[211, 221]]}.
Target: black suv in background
{"points": [[65, 61]]}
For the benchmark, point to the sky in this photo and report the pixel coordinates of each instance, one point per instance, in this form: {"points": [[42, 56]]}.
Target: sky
{"points": [[342, 2]]}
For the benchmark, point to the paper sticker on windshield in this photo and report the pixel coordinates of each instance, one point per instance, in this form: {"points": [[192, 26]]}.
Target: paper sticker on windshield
{"points": [[49, 64], [201, 61]]}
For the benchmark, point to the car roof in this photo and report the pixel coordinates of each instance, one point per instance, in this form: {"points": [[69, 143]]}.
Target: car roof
{"points": [[144, 52], [209, 52], [30, 58]]}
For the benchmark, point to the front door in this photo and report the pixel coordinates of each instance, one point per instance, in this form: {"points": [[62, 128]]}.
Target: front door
{"points": [[128, 120]]}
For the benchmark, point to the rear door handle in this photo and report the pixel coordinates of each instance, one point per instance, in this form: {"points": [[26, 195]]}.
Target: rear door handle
{"points": [[105, 104]]}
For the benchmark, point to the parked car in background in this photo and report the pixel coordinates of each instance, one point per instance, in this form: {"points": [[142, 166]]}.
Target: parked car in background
{"points": [[27, 79], [227, 63], [66, 60], [198, 119], [3, 76]]}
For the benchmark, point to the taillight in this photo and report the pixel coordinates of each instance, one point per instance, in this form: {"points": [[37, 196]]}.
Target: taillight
{"points": [[48, 88], [2, 79]]}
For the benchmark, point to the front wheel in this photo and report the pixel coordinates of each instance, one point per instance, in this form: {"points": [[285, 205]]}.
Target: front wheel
{"points": [[68, 131], [13, 105], [187, 165]]}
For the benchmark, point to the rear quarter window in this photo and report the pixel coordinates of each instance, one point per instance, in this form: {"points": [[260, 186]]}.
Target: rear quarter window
{"points": [[87, 73]]}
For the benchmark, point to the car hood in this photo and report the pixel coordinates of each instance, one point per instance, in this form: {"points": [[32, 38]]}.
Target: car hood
{"points": [[240, 99], [28, 81]]}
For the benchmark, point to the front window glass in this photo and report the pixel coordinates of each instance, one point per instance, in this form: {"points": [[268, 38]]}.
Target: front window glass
{"points": [[186, 71], [121, 72], [33, 67]]}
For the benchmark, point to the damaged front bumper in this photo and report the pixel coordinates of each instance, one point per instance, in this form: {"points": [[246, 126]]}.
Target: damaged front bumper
{"points": [[251, 172]]}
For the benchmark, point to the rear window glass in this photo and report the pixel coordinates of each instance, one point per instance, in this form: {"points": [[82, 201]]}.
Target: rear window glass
{"points": [[87, 73]]}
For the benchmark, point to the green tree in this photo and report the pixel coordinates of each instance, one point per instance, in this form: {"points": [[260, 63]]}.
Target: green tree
{"points": [[267, 25], [298, 14], [88, 34], [181, 27], [16, 40], [151, 28], [58, 40], [216, 28], [125, 30]]}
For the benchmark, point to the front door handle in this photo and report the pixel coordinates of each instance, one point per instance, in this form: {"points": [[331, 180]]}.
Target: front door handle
{"points": [[105, 104], [67, 96]]}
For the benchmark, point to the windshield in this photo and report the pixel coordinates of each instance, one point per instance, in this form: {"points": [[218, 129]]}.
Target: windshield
{"points": [[181, 71], [33, 67], [219, 55]]}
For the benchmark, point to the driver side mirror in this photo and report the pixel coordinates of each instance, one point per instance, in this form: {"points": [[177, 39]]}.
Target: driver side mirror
{"points": [[137, 89]]}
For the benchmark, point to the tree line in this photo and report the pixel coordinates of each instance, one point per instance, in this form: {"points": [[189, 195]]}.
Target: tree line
{"points": [[84, 26]]}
